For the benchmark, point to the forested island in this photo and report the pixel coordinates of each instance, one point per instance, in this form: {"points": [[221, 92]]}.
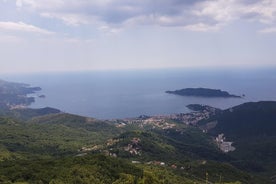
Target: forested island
{"points": [[203, 92]]}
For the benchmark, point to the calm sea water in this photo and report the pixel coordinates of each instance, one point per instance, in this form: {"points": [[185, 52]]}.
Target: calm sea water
{"points": [[121, 94]]}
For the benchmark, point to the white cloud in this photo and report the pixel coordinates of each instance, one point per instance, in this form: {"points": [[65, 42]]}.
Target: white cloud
{"points": [[112, 12], [40, 4], [194, 15], [156, 19], [109, 30], [263, 11], [21, 26], [268, 30], [68, 19], [9, 39], [224, 11], [219, 10], [201, 27]]}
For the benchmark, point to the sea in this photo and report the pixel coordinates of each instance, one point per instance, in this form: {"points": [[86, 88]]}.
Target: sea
{"points": [[131, 93]]}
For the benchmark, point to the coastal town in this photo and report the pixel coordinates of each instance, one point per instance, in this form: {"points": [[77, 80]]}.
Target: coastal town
{"points": [[198, 112], [223, 145], [161, 122]]}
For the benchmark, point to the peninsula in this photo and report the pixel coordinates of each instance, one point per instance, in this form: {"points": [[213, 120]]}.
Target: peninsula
{"points": [[203, 92], [15, 95]]}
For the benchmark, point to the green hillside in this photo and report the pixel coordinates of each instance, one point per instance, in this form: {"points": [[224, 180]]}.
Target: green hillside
{"points": [[48, 149], [251, 126], [249, 119], [65, 134]]}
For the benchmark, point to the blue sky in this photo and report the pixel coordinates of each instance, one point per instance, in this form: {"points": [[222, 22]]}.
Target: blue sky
{"points": [[74, 35]]}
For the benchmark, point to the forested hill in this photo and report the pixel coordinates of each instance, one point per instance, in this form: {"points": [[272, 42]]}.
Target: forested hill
{"points": [[249, 119], [252, 128]]}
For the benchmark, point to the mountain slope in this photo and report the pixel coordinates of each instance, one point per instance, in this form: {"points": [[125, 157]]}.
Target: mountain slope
{"points": [[249, 119], [252, 128], [65, 134]]}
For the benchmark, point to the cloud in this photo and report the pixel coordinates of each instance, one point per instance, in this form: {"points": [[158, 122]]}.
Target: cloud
{"points": [[263, 11], [201, 27], [224, 11], [221, 12], [268, 30], [21, 26], [109, 30], [195, 15], [9, 39], [68, 18], [41, 4], [112, 12], [218, 10]]}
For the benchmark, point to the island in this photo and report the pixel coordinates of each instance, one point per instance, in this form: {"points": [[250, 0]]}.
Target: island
{"points": [[203, 92]]}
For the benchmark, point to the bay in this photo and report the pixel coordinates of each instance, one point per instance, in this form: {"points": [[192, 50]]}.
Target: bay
{"points": [[122, 94]]}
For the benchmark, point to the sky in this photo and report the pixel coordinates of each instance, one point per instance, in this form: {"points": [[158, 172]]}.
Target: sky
{"points": [[77, 35]]}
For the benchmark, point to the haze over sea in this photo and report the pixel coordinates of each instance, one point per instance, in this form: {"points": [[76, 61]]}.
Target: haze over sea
{"points": [[122, 94]]}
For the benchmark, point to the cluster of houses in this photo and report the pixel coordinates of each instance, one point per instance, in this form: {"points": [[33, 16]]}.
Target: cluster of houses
{"points": [[133, 148], [165, 121], [159, 163], [152, 122], [224, 146]]}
